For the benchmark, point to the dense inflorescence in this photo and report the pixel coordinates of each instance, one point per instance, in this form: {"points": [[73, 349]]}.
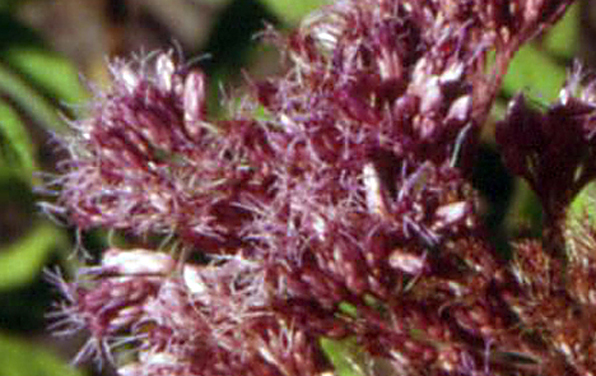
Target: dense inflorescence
{"points": [[335, 202]]}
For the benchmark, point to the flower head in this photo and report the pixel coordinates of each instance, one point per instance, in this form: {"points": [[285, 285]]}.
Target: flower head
{"points": [[343, 211]]}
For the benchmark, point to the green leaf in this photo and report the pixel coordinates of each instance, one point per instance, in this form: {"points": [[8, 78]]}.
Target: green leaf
{"points": [[525, 209], [40, 110], [346, 355], [348, 309], [19, 358], [584, 205], [22, 260], [48, 72], [16, 146], [535, 73], [293, 11], [563, 39]]}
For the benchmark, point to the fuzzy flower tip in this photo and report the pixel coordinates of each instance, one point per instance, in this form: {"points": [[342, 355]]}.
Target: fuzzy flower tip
{"points": [[343, 210]]}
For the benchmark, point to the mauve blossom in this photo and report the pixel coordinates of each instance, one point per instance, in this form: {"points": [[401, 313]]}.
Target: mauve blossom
{"points": [[343, 210]]}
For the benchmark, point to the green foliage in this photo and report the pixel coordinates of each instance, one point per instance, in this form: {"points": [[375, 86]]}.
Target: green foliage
{"points": [[37, 82], [52, 74], [36, 86], [16, 147], [536, 73], [292, 11], [33, 82], [346, 356], [563, 39], [583, 206], [30, 100], [537, 68], [24, 259], [524, 212], [19, 358]]}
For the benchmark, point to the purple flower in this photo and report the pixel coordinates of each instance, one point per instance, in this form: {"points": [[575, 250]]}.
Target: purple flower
{"points": [[343, 211]]}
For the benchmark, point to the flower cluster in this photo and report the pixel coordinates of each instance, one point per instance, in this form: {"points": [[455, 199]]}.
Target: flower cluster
{"points": [[334, 202]]}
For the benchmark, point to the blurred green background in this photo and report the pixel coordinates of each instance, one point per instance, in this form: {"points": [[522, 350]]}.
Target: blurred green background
{"points": [[47, 46]]}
